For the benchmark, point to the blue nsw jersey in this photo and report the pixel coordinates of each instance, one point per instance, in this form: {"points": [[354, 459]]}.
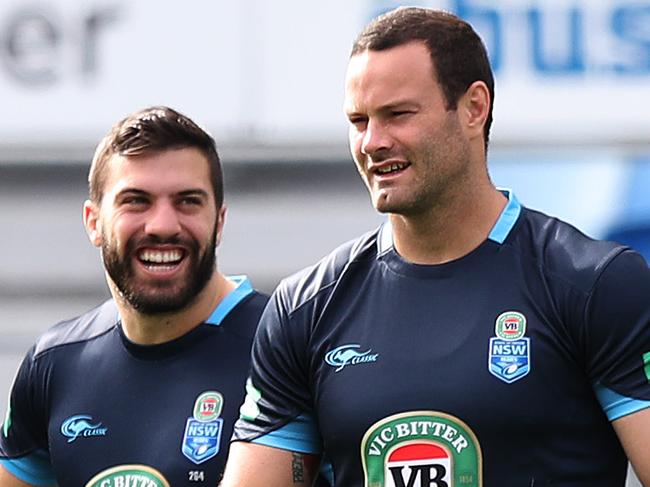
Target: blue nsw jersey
{"points": [[91, 408], [504, 367]]}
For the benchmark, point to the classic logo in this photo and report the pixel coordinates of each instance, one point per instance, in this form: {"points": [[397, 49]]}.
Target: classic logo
{"points": [[128, 476], [202, 436], [509, 352], [421, 449], [81, 425], [348, 355]]}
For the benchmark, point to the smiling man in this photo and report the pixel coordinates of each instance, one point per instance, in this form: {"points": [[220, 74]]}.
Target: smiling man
{"points": [[145, 388], [467, 342]]}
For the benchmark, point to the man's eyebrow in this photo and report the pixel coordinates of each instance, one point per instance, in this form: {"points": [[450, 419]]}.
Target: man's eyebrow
{"points": [[400, 104], [132, 192], [194, 192]]}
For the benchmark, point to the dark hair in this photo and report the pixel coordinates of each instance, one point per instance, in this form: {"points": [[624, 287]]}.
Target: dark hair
{"points": [[152, 130], [458, 55]]}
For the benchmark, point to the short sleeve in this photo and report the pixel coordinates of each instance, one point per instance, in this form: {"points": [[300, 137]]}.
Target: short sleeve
{"points": [[277, 408], [23, 437], [617, 330]]}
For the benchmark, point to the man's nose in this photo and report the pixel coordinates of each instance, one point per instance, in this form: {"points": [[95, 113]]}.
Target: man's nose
{"points": [[376, 138], [163, 220]]}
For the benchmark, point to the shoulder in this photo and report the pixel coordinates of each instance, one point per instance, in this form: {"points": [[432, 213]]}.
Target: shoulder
{"points": [[242, 320], [82, 328], [563, 251], [255, 303], [319, 278]]}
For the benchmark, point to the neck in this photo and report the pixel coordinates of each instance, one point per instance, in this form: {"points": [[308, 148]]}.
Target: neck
{"points": [[155, 329], [450, 230]]}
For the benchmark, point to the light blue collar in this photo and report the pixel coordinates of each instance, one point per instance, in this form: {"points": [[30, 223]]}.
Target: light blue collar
{"points": [[498, 234], [232, 299], [507, 219]]}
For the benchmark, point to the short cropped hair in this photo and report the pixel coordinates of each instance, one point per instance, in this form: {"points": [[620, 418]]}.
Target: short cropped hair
{"points": [[458, 55], [148, 131]]}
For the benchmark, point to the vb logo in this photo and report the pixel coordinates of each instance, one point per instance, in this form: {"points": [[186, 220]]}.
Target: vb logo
{"points": [[418, 465], [421, 449]]}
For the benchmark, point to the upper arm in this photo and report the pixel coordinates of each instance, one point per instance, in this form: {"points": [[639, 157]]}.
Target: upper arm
{"points": [[633, 431], [256, 465], [9, 480]]}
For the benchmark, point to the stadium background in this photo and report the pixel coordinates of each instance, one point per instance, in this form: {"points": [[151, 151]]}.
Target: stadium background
{"points": [[571, 134]]}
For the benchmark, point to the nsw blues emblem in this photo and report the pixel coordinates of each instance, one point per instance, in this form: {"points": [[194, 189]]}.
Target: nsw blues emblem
{"points": [[202, 437], [509, 354]]}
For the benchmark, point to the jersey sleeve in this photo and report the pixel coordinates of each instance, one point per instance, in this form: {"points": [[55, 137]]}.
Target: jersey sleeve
{"points": [[617, 335], [277, 408], [23, 438]]}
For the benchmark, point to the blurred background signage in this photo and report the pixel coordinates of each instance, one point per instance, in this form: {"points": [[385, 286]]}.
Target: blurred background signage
{"points": [[266, 74]]}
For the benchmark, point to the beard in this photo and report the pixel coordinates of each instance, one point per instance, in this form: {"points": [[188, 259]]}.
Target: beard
{"points": [[162, 297]]}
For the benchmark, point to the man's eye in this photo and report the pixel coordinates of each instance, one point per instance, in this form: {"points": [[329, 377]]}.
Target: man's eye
{"points": [[358, 121], [134, 201], [191, 201]]}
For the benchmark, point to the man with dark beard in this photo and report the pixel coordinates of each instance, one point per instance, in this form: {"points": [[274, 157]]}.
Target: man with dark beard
{"points": [[144, 389]]}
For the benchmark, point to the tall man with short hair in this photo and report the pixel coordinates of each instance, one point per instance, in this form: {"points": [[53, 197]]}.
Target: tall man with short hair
{"points": [[469, 341], [145, 388]]}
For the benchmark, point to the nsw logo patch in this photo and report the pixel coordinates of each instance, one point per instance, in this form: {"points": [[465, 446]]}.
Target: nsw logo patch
{"points": [[202, 437], [509, 353]]}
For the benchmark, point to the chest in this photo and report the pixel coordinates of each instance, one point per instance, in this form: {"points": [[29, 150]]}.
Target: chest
{"points": [[456, 369], [121, 419]]}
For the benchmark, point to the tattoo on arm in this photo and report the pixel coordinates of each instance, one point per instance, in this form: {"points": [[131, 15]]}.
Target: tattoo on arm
{"points": [[298, 468]]}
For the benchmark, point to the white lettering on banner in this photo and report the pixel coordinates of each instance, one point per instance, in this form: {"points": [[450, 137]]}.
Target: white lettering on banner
{"points": [[414, 428], [36, 42]]}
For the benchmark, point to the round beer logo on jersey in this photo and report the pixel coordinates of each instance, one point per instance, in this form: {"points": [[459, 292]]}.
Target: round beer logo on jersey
{"points": [[421, 449], [510, 325], [509, 350], [208, 406], [124, 475]]}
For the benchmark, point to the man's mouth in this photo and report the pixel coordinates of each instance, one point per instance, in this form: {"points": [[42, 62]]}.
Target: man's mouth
{"points": [[391, 168], [160, 259]]}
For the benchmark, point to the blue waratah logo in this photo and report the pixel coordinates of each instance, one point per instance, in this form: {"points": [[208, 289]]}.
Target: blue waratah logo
{"points": [[349, 355], [81, 425]]}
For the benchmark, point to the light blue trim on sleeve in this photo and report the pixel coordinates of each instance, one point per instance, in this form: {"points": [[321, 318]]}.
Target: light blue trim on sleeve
{"points": [[232, 299], [507, 219], [615, 405], [35, 469], [300, 435]]}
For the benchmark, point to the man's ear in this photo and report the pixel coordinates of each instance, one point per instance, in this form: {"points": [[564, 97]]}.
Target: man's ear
{"points": [[475, 105], [221, 221], [91, 223]]}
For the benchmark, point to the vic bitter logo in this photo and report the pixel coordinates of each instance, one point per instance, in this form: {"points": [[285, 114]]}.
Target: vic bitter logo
{"points": [[349, 355]]}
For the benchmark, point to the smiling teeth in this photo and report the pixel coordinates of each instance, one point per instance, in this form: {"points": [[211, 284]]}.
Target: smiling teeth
{"points": [[160, 257], [391, 168]]}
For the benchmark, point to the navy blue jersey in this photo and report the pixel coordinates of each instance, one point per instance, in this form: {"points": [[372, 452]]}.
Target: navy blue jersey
{"points": [[91, 408], [504, 367]]}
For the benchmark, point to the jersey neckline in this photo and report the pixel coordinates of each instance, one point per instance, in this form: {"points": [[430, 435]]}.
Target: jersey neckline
{"points": [[497, 236], [159, 351]]}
